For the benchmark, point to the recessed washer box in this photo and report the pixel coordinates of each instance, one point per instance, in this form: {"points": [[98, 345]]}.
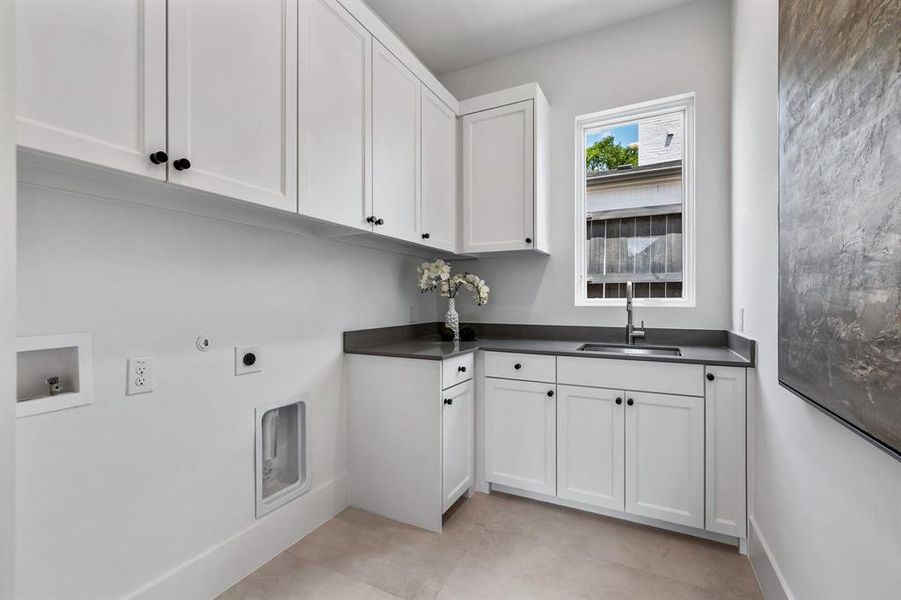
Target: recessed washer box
{"points": [[282, 453], [53, 372]]}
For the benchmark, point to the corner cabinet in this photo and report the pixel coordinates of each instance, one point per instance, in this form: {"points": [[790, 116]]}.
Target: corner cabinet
{"points": [[504, 171]]}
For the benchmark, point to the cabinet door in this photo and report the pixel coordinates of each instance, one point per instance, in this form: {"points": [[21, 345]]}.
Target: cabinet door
{"points": [[233, 98], [498, 178], [726, 502], [92, 81], [590, 445], [439, 173], [335, 115], [520, 432], [665, 457], [457, 443], [395, 146]]}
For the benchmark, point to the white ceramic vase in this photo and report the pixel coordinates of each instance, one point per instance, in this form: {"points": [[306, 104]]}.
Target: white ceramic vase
{"points": [[452, 319]]}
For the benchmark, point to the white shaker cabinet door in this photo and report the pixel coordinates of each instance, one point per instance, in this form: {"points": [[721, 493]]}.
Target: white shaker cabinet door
{"points": [[520, 435], [395, 146], [498, 178], [665, 457], [233, 99], [726, 498], [92, 81], [590, 445], [457, 432], [335, 115], [439, 173]]}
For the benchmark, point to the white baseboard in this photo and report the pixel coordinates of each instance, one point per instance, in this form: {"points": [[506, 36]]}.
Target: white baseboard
{"points": [[216, 569], [769, 576]]}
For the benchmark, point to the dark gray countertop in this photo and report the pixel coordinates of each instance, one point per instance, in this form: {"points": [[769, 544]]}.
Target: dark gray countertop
{"points": [[421, 345]]}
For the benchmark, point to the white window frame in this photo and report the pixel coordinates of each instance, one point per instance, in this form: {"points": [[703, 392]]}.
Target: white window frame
{"points": [[620, 116]]}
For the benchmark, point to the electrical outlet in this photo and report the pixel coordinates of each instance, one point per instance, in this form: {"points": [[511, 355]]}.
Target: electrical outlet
{"points": [[247, 360], [139, 376], [411, 316], [741, 319]]}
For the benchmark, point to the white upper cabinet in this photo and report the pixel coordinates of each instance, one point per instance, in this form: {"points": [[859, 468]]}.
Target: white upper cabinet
{"points": [[439, 173], [591, 446], [725, 449], [497, 179], [505, 170], [665, 457], [335, 115], [92, 81], [233, 99], [395, 146]]}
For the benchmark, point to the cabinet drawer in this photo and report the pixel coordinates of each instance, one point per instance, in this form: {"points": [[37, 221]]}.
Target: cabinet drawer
{"points": [[456, 370], [667, 378], [526, 367]]}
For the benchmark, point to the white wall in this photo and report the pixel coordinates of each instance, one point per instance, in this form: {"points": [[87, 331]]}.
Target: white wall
{"points": [[7, 298], [113, 495], [680, 50], [826, 502]]}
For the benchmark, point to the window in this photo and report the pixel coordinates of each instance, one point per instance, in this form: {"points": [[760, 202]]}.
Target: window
{"points": [[634, 204]]}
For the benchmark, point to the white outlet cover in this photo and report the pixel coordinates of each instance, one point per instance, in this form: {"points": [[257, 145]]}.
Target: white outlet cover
{"points": [[139, 376], [243, 369]]}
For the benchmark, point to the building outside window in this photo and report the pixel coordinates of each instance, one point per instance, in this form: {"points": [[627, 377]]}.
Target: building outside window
{"points": [[634, 204]]}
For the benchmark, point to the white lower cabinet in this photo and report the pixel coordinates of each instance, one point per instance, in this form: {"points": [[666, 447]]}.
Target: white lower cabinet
{"points": [[665, 457], [675, 454], [457, 443], [520, 432], [590, 446], [725, 417], [410, 438]]}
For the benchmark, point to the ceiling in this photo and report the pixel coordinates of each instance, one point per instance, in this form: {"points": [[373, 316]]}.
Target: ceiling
{"points": [[452, 34]]}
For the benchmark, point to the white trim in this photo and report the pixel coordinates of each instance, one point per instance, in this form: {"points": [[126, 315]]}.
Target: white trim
{"points": [[85, 393], [770, 579], [8, 324], [681, 102], [217, 568]]}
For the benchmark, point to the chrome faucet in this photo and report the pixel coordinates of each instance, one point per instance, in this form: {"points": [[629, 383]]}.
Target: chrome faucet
{"points": [[631, 332]]}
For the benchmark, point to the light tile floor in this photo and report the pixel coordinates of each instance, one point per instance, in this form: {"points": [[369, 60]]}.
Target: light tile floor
{"points": [[501, 547]]}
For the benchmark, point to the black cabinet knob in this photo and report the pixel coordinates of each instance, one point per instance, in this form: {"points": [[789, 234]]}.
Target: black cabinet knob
{"points": [[630, 401], [181, 164], [528, 240], [448, 401], [550, 393], [710, 377], [461, 369], [425, 236], [380, 221], [370, 219], [517, 366], [159, 157], [619, 400]]}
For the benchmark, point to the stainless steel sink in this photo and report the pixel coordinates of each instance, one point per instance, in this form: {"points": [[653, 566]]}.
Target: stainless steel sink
{"points": [[630, 350]]}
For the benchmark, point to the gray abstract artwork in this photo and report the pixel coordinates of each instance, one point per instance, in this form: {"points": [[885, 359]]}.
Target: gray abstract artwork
{"points": [[840, 210]]}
